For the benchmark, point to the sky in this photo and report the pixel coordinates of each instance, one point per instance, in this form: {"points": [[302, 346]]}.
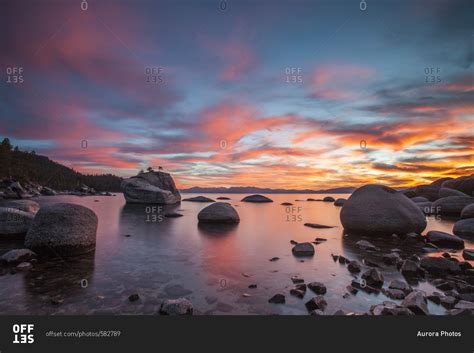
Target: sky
{"points": [[282, 94]]}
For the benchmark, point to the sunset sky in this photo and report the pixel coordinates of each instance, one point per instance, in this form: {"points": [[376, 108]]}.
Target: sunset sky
{"points": [[222, 112]]}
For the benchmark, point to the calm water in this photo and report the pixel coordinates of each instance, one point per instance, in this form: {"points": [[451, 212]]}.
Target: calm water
{"points": [[173, 257]]}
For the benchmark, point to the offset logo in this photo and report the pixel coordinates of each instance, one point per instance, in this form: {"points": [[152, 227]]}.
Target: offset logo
{"points": [[23, 333]]}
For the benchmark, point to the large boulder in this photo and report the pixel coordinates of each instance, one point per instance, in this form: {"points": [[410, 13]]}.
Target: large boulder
{"points": [[219, 212], [468, 211], [256, 198], [22, 205], [464, 228], [445, 240], [151, 187], [378, 209], [14, 221], [452, 205], [62, 229], [464, 184]]}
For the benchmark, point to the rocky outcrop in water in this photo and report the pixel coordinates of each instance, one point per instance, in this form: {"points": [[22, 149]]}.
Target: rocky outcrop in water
{"points": [[62, 229], [377, 209], [256, 199], [151, 187]]}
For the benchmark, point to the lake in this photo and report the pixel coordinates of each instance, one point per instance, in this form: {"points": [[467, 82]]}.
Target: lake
{"points": [[140, 251]]}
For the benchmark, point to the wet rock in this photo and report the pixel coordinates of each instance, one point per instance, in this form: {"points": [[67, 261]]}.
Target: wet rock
{"points": [[277, 299], [352, 290], [390, 309], [448, 302], [369, 263], [373, 278], [16, 256], [62, 229], [296, 279], [445, 240], [22, 205], [366, 245], [410, 269], [316, 303], [452, 205], [133, 297], [219, 212], [286, 204], [303, 249], [256, 198], [335, 257], [392, 258], [394, 293], [343, 260], [468, 211], [180, 306], [400, 285], [354, 267], [463, 304], [417, 303], [464, 184], [294, 242], [317, 226], [445, 192], [151, 187], [14, 221], [173, 215], [378, 209], [468, 254], [435, 298], [328, 199], [340, 202], [439, 265], [464, 228], [317, 287], [297, 293], [274, 259]]}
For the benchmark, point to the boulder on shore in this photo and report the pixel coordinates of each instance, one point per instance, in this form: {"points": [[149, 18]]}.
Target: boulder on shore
{"points": [[377, 209], [219, 212], [464, 228], [445, 240], [62, 229], [464, 184], [151, 187], [14, 221], [452, 205], [256, 198]]}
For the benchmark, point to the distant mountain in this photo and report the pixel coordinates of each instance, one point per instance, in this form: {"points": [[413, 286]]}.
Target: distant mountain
{"points": [[26, 166], [256, 190]]}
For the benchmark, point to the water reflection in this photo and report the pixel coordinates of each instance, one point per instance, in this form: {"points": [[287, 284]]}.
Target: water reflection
{"points": [[217, 230]]}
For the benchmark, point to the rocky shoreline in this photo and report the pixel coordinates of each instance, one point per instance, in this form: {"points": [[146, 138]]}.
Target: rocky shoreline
{"points": [[386, 226]]}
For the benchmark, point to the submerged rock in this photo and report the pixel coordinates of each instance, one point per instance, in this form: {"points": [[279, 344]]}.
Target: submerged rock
{"points": [[303, 249], [62, 229], [198, 199], [378, 209], [219, 212], [151, 187], [445, 240], [328, 199], [180, 306], [317, 226], [256, 198], [14, 222]]}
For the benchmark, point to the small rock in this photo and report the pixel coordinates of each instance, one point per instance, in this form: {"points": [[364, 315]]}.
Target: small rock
{"points": [[317, 287], [133, 297], [366, 245], [180, 306], [391, 259], [277, 299], [303, 249], [416, 302], [354, 267], [445, 240], [316, 303], [329, 199], [373, 278], [400, 285], [394, 293], [317, 226], [252, 286], [296, 279], [199, 199], [274, 259]]}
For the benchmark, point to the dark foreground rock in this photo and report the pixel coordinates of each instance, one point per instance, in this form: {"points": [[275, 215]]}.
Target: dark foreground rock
{"points": [[373, 278], [151, 187], [378, 209], [316, 303], [14, 222], [219, 212], [180, 306], [16, 256], [445, 240], [22, 205], [464, 184], [468, 254], [317, 287], [277, 299], [439, 265], [62, 229], [468, 211], [256, 199], [303, 249], [417, 303]]}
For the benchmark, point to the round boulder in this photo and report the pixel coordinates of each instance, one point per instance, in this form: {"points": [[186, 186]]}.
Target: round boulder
{"points": [[14, 221], [445, 192], [256, 198], [328, 199], [464, 228], [340, 202], [377, 209], [219, 212], [303, 249], [62, 229], [445, 240], [452, 205], [468, 211]]}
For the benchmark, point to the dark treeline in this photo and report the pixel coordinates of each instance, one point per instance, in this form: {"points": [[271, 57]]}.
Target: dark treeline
{"points": [[26, 166]]}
